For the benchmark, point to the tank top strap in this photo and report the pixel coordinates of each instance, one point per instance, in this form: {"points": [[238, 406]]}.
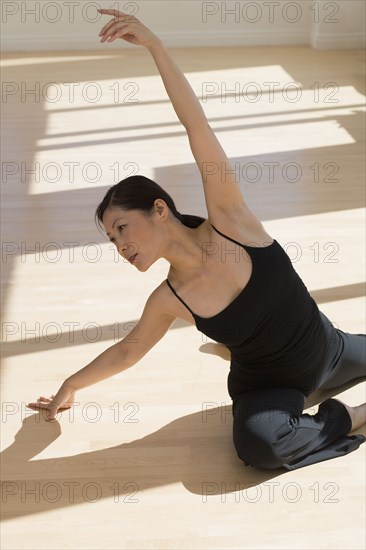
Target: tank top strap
{"points": [[226, 237], [252, 250], [179, 298]]}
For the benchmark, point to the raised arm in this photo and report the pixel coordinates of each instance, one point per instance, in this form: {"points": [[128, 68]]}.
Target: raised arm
{"points": [[222, 191], [183, 98]]}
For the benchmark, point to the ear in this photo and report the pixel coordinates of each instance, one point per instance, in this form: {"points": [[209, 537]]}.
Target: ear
{"points": [[161, 208]]}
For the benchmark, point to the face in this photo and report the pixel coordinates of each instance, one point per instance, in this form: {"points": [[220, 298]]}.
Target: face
{"points": [[133, 233]]}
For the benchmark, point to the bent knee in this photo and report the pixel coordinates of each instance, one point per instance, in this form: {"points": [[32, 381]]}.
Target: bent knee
{"points": [[259, 454], [267, 459], [262, 444], [263, 426]]}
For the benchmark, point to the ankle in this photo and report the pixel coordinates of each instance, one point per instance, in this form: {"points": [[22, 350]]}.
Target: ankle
{"points": [[357, 414]]}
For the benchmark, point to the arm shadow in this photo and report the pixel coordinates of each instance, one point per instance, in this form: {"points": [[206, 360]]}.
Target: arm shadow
{"points": [[196, 449]]}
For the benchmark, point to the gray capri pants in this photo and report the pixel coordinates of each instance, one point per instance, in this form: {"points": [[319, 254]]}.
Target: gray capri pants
{"points": [[270, 429]]}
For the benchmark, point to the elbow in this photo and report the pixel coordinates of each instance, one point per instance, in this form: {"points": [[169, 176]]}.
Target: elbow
{"points": [[193, 126]]}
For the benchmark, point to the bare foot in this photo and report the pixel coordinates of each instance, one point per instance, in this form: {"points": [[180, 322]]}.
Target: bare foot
{"points": [[357, 414]]}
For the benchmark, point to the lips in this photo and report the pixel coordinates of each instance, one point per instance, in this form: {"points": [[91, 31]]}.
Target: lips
{"points": [[132, 258]]}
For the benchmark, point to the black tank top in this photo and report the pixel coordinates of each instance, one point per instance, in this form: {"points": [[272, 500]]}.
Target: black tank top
{"points": [[273, 328]]}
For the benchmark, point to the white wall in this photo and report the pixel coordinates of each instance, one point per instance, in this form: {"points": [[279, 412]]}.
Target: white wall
{"points": [[348, 32], [74, 24]]}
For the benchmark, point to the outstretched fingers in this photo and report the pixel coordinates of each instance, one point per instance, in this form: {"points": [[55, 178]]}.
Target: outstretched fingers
{"points": [[45, 403], [41, 403], [118, 15], [107, 27], [115, 13], [118, 33], [114, 29]]}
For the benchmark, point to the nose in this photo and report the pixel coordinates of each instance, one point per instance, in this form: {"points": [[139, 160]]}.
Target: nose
{"points": [[124, 249], [121, 248]]}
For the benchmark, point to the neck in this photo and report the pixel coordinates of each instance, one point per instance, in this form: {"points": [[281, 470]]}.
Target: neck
{"points": [[185, 250]]}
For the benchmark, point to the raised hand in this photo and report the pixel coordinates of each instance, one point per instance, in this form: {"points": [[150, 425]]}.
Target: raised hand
{"points": [[64, 399], [127, 27]]}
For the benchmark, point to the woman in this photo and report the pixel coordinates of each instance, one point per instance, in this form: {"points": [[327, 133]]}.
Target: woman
{"points": [[248, 297]]}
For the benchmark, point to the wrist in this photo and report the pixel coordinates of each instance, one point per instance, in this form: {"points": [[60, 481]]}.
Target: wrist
{"points": [[69, 384], [155, 44]]}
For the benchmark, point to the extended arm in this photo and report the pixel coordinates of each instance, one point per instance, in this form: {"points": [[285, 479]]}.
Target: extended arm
{"points": [[152, 326], [130, 29], [222, 190], [183, 98], [112, 361]]}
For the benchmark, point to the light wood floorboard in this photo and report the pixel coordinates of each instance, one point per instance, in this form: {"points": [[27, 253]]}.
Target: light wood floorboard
{"points": [[140, 464]]}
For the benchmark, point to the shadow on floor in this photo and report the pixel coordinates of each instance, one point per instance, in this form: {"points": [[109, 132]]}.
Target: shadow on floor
{"points": [[181, 451]]}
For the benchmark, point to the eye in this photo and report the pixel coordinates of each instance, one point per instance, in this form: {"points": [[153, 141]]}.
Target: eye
{"points": [[119, 227]]}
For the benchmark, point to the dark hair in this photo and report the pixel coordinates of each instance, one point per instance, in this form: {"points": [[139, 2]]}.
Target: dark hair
{"points": [[140, 193]]}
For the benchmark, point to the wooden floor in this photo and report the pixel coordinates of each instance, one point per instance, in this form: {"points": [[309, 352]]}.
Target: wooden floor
{"points": [[146, 459]]}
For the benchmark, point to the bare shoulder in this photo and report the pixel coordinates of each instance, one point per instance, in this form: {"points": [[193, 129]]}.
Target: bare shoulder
{"points": [[169, 305], [241, 225], [162, 301]]}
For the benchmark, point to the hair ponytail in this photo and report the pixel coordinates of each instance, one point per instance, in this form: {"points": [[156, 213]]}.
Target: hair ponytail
{"points": [[140, 193], [189, 220]]}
